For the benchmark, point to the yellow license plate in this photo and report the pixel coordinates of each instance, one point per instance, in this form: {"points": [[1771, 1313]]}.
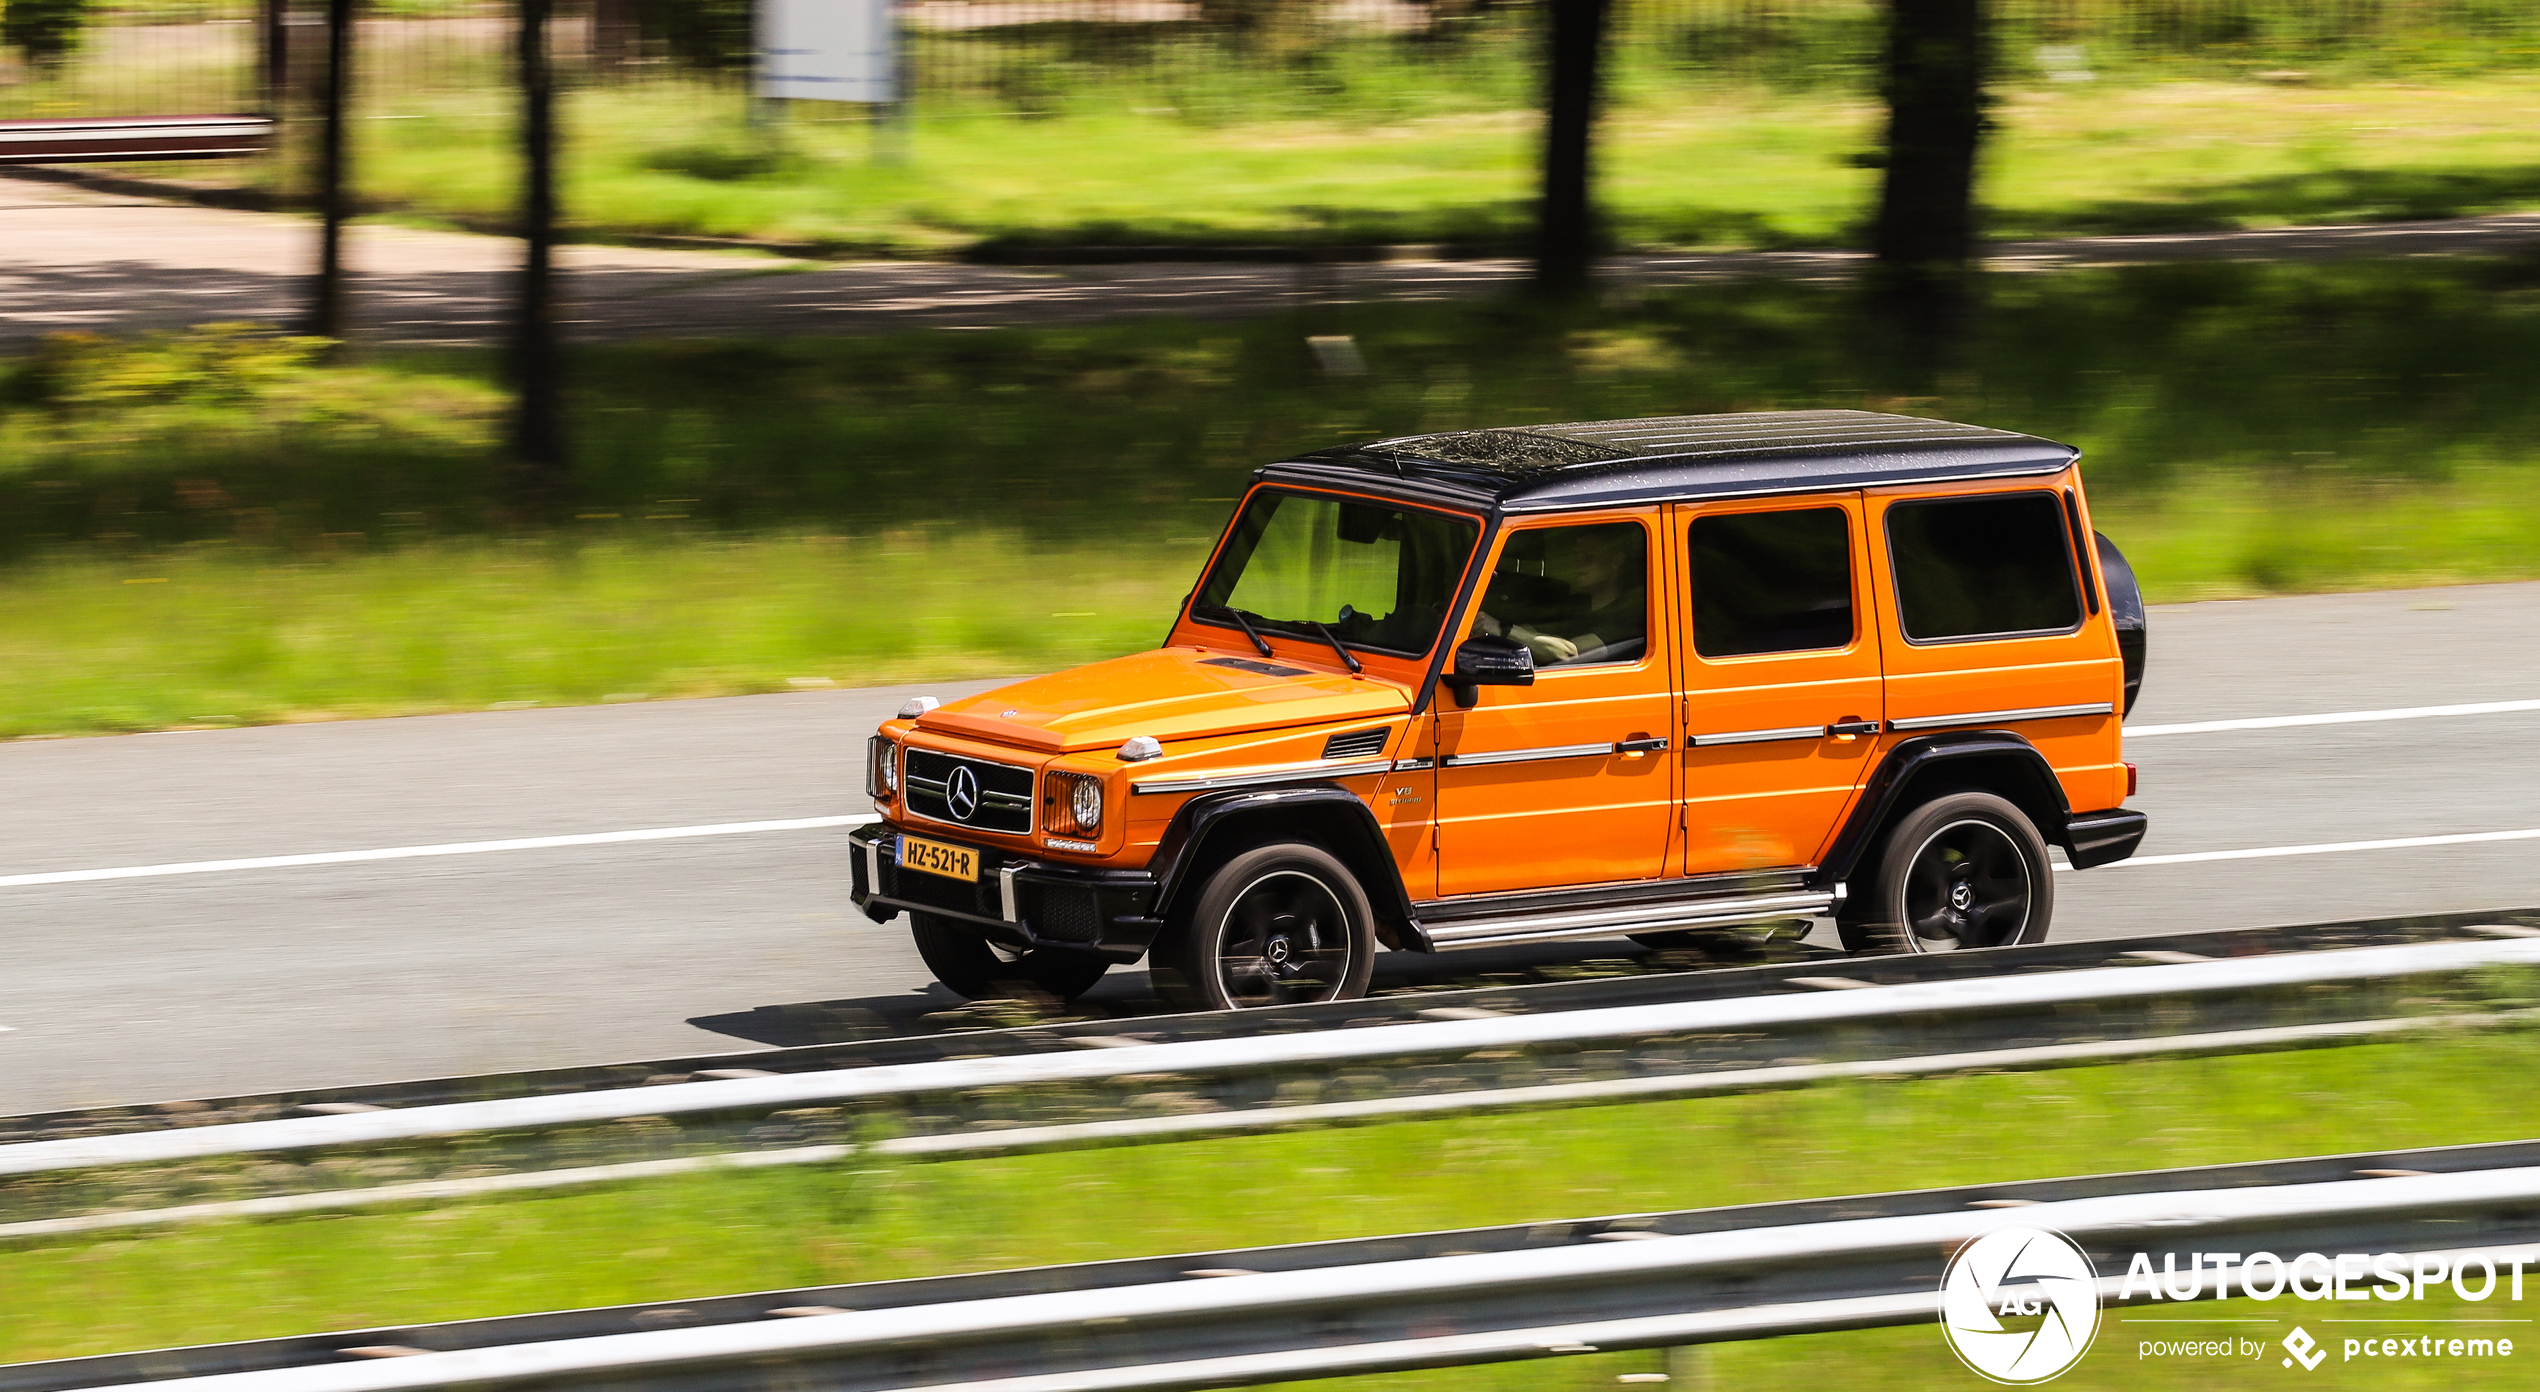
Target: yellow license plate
{"points": [[936, 858]]}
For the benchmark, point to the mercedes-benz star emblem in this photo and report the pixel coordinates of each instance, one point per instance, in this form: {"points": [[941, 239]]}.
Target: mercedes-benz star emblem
{"points": [[961, 792]]}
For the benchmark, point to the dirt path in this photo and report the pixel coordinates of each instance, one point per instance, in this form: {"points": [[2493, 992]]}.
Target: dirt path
{"points": [[77, 259]]}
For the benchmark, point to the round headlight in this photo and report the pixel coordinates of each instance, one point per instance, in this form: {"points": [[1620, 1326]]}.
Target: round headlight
{"points": [[1085, 801], [891, 768]]}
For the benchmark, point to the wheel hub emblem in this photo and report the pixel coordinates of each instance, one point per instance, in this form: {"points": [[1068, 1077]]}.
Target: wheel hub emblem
{"points": [[961, 792], [1962, 896], [1278, 951]]}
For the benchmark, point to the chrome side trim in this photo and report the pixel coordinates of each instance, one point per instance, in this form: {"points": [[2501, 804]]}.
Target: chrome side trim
{"points": [[1414, 765], [2000, 717], [1526, 756], [1261, 778], [1006, 895], [1636, 918], [1793, 732]]}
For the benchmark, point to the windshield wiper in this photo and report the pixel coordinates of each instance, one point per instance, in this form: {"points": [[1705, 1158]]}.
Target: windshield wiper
{"points": [[1348, 658], [1244, 622]]}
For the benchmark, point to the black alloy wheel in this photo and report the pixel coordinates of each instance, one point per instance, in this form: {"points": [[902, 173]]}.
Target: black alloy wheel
{"points": [[1966, 870], [974, 968], [1279, 925]]}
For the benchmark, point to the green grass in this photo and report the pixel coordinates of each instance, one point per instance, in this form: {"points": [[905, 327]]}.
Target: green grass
{"points": [[203, 638], [218, 528], [1728, 124], [857, 1221], [1712, 166]]}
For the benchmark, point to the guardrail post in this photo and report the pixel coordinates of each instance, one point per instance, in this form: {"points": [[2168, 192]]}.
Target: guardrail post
{"points": [[1689, 1368]]}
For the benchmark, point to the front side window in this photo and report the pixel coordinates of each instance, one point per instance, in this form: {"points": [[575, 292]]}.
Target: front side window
{"points": [[1771, 582], [1379, 577], [1573, 595], [1986, 567]]}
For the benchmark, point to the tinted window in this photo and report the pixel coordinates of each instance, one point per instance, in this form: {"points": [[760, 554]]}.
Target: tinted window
{"points": [[1976, 567], [1766, 582], [1379, 577], [1572, 595]]}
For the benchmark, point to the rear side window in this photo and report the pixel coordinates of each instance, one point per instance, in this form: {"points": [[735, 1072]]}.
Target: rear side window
{"points": [[1768, 582], [1984, 567]]}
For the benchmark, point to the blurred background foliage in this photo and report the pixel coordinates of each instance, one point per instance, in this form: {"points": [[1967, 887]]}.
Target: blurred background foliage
{"points": [[221, 526], [2168, 375], [1071, 123]]}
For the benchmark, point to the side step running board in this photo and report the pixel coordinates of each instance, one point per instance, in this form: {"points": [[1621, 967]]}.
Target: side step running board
{"points": [[1664, 917]]}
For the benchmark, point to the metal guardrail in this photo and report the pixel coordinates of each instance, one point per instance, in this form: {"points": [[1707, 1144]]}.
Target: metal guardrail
{"points": [[1132, 1092], [1392, 1045], [1713, 982], [1421, 1300], [134, 138]]}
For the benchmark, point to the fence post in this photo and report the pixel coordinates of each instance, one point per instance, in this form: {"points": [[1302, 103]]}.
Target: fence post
{"points": [[273, 55], [899, 131], [326, 299], [538, 451]]}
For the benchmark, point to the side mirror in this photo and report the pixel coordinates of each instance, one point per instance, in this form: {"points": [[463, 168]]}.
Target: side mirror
{"points": [[1483, 660]]}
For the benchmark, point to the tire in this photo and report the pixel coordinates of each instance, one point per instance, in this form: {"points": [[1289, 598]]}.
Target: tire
{"points": [[1964, 870], [1279, 925], [974, 968]]}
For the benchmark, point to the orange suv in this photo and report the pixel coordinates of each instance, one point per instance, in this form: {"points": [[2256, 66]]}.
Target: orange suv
{"points": [[1668, 679]]}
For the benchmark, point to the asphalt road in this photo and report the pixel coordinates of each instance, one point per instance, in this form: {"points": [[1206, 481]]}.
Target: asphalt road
{"points": [[142, 989]]}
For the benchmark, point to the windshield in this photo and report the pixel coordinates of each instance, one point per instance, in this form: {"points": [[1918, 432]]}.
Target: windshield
{"points": [[1378, 577]]}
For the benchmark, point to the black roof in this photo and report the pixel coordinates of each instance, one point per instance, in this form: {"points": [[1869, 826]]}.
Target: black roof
{"points": [[1535, 468]]}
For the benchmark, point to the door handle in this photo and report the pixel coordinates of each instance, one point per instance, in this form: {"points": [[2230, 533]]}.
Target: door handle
{"points": [[1645, 744], [1844, 729]]}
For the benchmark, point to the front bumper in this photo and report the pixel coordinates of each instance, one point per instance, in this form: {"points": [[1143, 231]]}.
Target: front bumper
{"points": [[1017, 900]]}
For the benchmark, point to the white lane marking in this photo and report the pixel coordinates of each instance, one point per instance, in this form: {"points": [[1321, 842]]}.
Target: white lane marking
{"points": [[2278, 722], [524, 843], [2401, 843]]}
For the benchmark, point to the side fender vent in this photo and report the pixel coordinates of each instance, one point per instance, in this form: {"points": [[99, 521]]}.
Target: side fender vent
{"points": [[1358, 744]]}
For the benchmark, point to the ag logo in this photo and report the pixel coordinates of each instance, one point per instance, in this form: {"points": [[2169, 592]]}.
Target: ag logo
{"points": [[2020, 1305], [2302, 1346]]}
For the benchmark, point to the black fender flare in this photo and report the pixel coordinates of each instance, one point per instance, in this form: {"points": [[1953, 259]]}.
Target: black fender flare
{"points": [[1326, 813], [1998, 760]]}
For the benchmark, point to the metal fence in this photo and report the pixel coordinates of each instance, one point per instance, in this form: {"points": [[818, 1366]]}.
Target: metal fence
{"points": [[1207, 59]]}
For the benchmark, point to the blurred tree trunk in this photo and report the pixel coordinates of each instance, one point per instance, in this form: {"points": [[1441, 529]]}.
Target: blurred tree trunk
{"points": [[1936, 61], [541, 479], [1565, 229], [326, 293]]}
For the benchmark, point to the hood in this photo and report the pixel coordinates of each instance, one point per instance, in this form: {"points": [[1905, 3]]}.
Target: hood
{"points": [[1170, 693]]}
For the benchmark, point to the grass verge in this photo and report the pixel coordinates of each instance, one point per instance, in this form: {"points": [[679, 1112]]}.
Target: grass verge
{"points": [[1777, 167], [857, 1221], [219, 528]]}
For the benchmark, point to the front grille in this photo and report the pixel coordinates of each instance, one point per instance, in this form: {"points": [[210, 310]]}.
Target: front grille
{"points": [[998, 796], [1358, 744], [1065, 915]]}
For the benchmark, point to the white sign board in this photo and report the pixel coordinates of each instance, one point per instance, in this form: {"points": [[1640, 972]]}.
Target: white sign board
{"points": [[827, 50]]}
